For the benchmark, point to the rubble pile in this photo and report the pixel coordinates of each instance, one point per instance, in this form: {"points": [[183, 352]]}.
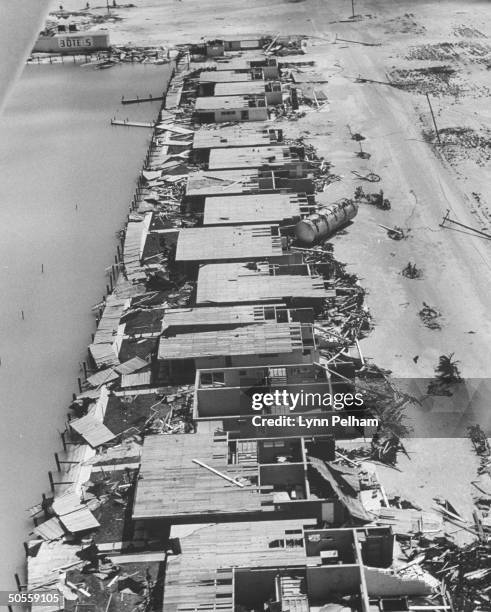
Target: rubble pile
{"points": [[430, 316], [347, 315], [461, 143], [464, 572], [451, 51], [411, 271], [372, 199], [435, 80], [179, 419]]}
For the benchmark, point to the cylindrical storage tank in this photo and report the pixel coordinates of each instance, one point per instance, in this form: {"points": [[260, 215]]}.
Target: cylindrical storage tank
{"points": [[325, 221]]}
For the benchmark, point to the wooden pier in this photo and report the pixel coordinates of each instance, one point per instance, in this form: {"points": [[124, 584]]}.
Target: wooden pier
{"points": [[142, 124], [138, 100]]}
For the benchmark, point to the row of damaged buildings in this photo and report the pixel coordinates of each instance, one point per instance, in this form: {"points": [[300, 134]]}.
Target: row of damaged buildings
{"points": [[167, 494]]}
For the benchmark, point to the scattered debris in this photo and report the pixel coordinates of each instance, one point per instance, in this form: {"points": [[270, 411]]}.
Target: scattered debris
{"points": [[373, 199], [411, 271], [371, 177], [462, 51], [430, 316], [479, 440], [355, 135], [435, 80], [464, 143], [361, 153], [395, 233]]}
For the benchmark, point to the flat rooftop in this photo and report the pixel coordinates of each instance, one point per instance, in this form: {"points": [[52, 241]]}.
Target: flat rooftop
{"points": [[230, 283], [224, 182], [240, 89], [210, 103], [254, 208], [239, 63], [224, 76], [249, 157], [225, 565], [270, 338], [216, 315], [231, 242], [246, 134], [172, 485]]}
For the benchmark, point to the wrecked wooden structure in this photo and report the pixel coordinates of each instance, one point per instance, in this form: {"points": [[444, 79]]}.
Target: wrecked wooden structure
{"points": [[168, 494]]}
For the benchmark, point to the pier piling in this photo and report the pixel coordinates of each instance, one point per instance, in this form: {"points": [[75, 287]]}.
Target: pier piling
{"points": [[44, 505], [51, 482], [20, 586]]}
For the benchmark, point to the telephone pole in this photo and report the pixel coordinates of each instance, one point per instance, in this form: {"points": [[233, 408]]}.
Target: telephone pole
{"points": [[353, 8], [434, 120]]}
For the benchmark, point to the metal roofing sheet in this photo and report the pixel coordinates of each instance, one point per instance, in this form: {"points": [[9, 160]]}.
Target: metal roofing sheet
{"points": [[79, 520], [102, 377], [66, 503], [104, 347], [136, 379], [134, 243], [49, 530], [92, 430], [104, 354], [132, 365]]}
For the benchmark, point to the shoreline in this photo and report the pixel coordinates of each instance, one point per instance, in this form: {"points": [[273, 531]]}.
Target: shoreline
{"points": [[32, 318]]}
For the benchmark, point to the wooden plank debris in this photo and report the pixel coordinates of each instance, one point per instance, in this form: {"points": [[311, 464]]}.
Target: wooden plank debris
{"points": [[92, 430]]}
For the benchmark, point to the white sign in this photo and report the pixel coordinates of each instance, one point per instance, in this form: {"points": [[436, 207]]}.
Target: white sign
{"points": [[75, 42]]}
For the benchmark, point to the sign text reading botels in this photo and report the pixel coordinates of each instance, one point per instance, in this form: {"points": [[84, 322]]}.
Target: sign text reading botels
{"points": [[71, 43]]}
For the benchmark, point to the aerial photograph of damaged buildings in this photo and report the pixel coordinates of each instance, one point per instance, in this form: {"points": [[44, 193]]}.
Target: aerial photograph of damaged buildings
{"points": [[245, 305]]}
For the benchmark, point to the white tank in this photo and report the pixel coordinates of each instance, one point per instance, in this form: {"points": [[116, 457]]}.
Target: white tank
{"points": [[325, 221]]}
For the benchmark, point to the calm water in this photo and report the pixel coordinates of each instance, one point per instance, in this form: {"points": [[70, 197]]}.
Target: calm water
{"points": [[67, 178]]}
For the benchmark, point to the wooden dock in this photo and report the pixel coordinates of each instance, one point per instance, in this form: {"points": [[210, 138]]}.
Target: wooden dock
{"points": [[142, 124], [138, 100]]}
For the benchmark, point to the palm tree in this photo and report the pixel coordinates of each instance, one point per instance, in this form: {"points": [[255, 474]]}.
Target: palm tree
{"points": [[447, 369]]}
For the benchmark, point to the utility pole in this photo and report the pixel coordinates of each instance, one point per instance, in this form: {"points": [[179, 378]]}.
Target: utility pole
{"points": [[353, 8], [434, 120]]}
